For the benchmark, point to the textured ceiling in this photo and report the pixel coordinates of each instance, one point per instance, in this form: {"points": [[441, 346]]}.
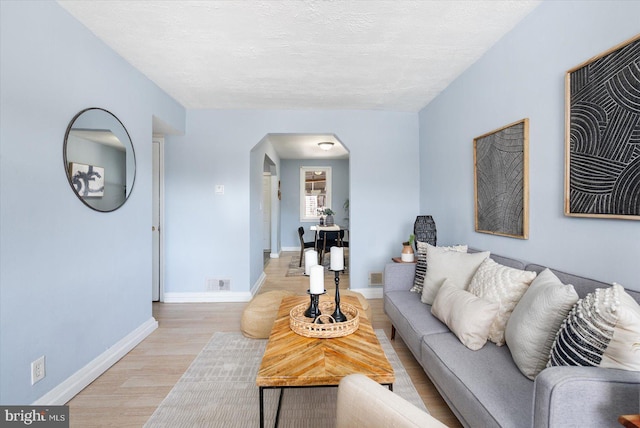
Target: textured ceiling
{"points": [[305, 146], [350, 54]]}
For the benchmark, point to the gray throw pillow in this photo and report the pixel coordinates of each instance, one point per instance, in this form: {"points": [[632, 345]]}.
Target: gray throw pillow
{"points": [[535, 320]]}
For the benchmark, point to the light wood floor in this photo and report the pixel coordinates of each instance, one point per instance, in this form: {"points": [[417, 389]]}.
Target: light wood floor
{"points": [[129, 392]]}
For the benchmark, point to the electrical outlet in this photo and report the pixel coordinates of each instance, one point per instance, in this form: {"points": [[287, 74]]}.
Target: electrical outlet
{"points": [[37, 370]]}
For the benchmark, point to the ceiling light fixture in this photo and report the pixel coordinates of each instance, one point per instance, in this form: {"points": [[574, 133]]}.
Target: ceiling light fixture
{"points": [[325, 145]]}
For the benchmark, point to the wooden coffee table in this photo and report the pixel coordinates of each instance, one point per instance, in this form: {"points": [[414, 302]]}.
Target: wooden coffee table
{"points": [[294, 361]]}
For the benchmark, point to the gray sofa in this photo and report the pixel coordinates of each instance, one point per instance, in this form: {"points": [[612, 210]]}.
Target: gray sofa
{"points": [[485, 388]]}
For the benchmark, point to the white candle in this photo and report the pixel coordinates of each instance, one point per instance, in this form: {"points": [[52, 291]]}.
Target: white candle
{"points": [[337, 258], [310, 259], [316, 280]]}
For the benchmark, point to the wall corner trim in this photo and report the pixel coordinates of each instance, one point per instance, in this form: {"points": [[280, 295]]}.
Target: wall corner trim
{"points": [[75, 383], [258, 284]]}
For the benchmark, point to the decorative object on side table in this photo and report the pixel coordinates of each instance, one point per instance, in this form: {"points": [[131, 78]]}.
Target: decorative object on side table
{"points": [[424, 230], [407, 250]]}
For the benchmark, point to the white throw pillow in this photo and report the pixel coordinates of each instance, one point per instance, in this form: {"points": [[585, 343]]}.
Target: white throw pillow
{"points": [[603, 330], [467, 316], [421, 263], [442, 264], [535, 321], [503, 285]]}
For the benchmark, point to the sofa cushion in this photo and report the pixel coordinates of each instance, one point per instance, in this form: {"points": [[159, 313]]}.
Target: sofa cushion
{"points": [[469, 317], [503, 285], [602, 329], [411, 318], [421, 263], [535, 321], [459, 267], [486, 386]]}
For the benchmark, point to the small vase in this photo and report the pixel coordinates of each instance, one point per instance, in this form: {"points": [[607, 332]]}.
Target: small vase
{"points": [[407, 253], [329, 220], [321, 221]]}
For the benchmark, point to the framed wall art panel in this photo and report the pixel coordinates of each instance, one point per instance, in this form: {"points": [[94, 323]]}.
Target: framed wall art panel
{"points": [[501, 183], [602, 143]]}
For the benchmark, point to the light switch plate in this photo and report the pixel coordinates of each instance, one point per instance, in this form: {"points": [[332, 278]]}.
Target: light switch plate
{"points": [[219, 189]]}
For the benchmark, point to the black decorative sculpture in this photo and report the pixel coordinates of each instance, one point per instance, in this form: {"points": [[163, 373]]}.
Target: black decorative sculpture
{"points": [[424, 229]]}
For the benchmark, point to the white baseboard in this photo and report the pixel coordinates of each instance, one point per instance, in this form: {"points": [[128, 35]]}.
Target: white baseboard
{"points": [[68, 389], [207, 297], [291, 248], [274, 255], [369, 292]]}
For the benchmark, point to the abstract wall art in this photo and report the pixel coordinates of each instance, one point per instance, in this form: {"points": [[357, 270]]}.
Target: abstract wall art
{"points": [[602, 143], [88, 180], [501, 185]]}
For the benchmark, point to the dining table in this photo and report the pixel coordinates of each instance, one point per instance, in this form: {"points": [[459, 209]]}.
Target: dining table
{"points": [[318, 229], [323, 228]]}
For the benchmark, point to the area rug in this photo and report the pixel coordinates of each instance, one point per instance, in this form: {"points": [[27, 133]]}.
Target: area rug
{"points": [[219, 390], [295, 270]]}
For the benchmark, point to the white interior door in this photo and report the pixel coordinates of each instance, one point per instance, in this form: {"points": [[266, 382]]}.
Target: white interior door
{"points": [[266, 212], [156, 221]]}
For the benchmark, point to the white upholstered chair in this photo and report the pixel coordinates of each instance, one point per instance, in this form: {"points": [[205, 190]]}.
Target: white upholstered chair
{"points": [[364, 403]]}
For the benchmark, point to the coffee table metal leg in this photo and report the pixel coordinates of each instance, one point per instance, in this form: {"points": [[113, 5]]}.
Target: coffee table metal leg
{"points": [[261, 407], [279, 405], [261, 389]]}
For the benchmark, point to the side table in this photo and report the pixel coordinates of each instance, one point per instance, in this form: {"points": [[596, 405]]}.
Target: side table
{"points": [[630, 421], [399, 260]]}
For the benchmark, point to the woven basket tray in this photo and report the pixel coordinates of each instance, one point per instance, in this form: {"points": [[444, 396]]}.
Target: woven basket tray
{"points": [[306, 327]]}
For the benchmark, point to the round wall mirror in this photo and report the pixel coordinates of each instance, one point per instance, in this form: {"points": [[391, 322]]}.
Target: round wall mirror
{"points": [[99, 159]]}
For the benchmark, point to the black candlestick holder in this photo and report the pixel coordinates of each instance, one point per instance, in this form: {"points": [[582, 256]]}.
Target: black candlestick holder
{"points": [[337, 315], [313, 311]]}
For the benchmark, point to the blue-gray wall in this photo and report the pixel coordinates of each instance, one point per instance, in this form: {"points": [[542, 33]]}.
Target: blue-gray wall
{"points": [[290, 206], [523, 76], [73, 281], [208, 235]]}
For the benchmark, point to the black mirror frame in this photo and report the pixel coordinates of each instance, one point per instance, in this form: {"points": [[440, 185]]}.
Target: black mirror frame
{"points": [[66, 161]]}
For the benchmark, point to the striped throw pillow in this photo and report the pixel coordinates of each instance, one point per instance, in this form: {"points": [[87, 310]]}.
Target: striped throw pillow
{"points": [[602, 329], [421, 263]]}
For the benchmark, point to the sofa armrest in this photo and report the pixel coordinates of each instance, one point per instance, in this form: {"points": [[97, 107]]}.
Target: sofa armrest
{"points": [[365, 403], [584, 396], [398, 276]]}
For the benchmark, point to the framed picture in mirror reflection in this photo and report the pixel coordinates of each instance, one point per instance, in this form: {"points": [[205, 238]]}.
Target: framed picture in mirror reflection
{"points": [[88, 180]]}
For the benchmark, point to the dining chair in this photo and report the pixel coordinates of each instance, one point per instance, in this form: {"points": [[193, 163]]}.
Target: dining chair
{"points": [[304, 245], [328, 239], [344, 242]]}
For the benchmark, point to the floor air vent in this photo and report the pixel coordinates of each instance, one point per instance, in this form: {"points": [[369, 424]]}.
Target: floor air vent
{"points": [[215, 284], [376, 278]]}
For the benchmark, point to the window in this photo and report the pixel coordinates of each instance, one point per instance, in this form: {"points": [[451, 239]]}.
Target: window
{"points": [[315, 191]]}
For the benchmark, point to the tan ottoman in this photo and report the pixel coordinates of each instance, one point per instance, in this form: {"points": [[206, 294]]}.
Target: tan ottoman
{"points": [[363, 301], [259, 315]]}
